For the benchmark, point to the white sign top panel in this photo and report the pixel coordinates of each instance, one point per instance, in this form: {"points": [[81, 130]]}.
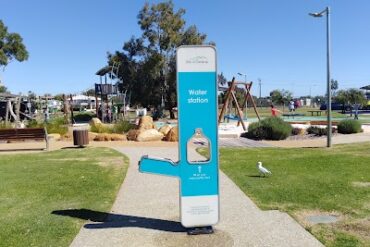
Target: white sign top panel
{"points": [[196, 59]]}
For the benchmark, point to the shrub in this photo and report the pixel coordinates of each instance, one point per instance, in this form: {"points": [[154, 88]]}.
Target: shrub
{"points": [[349, 126], [33, 123], [84, 117], [271, 128], [317, 131], [255, 131], [3, 125], [122, 126], [57, 125], [297, 131], [101, 128]]}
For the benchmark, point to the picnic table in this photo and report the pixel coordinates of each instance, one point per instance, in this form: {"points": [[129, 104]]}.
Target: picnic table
{"points": [[318, 112]]}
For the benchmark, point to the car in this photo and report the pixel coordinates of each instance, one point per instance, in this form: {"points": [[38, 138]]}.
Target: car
{"points": [[336, 107]]}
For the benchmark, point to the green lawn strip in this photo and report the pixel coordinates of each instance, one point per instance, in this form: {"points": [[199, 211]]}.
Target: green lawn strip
{"points": [[309, 179], [32, 186]]}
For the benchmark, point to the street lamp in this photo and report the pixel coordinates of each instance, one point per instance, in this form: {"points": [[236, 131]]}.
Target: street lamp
{"points": [[245, 80], [328, 107]]}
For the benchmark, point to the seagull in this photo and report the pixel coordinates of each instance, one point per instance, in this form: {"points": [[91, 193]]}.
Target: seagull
{"points": [[261, 169]]}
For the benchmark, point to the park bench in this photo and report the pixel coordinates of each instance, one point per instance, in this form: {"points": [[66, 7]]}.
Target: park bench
{"points": [[318, 112], [35, 134]]}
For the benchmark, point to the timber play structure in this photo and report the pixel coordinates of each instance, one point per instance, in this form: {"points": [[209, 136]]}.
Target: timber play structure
{"points": [[231, 100]]}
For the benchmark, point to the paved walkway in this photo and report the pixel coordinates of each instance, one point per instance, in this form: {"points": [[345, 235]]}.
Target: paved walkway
{"points": [[241, 142], [146, 213]]}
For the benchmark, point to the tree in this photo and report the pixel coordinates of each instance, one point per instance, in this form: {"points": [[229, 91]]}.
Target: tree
{"points": [[221, 80], [148, 64], [11, 46], [280, 97], [3, 89], [350, 97], [31, 95], [89, 92], [333, 87]]}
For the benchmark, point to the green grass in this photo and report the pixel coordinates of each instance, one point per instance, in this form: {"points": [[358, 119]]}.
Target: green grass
{"points": [[32, 186], [305, 180], [336, 115]]}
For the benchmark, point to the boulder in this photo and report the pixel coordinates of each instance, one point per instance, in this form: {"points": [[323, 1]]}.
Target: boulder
{"points": [[100, 138], [95, 121], [132, 134], [149, 135], [118, 137], [173, 135], [55, 136], [92, 136], [146, 123], [165, 129]]}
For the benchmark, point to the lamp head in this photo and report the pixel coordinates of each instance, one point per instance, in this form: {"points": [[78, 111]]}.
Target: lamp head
{"points": [[315, 14]]}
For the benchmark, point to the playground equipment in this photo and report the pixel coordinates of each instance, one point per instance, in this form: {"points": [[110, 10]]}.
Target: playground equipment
{"points": [[232, 100], [197, 108]]}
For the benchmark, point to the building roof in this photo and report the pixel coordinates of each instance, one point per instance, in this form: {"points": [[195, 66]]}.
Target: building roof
{"points": [[84, 97], [104, 70]]}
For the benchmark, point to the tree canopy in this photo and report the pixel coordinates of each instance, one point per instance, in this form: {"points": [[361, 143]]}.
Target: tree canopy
{"points": [[147, 65], [11, 46]]}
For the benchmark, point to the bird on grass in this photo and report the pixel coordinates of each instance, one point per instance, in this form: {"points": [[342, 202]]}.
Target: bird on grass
{"points": [[262, 170]]}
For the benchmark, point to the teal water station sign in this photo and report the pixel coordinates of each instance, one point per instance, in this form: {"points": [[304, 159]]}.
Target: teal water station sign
{"points": [[197, 117]]}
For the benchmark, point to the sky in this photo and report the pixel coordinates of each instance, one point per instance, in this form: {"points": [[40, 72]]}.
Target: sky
{"points": [[275, 41]]}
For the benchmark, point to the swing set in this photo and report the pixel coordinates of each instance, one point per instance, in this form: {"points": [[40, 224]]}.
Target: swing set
{"points": [[231, 101]]}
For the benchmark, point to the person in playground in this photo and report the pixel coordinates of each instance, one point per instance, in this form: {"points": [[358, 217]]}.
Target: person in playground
{"points": [[291, 106], [274, 111]]}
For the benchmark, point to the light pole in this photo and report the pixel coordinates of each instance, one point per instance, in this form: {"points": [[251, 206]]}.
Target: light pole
{"points": [[328, 107], [245, 80]]}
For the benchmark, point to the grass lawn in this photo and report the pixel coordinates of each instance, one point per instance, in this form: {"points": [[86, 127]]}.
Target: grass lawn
{"points": [[310, 180], [32, 186]]}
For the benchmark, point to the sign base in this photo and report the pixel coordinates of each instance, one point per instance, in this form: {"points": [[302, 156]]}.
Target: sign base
{"points": [[200, 230]]}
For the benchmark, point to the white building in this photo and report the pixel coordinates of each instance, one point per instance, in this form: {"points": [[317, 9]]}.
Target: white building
{"points": [[84, 102]]}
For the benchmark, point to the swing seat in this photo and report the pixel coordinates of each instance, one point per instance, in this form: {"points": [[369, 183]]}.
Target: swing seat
{"points": [[232, 117]]}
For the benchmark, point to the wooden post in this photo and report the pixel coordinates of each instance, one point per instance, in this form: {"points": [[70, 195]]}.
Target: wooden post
{"points": [[71, 106], [7, 113], [248, 88], [17, 109], [228, 95]]}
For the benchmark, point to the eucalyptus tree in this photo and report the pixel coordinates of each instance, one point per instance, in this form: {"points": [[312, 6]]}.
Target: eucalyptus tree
{"points": [[147, 65], [11, 46]]}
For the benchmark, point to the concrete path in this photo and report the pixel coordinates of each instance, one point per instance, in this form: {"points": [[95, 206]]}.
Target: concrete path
{"points": [[146, 213], [241, 142]]}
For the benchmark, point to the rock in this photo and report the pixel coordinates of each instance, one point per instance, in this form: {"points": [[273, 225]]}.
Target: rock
{"points": [[132, 134], [54, 136], [118, 137], [99, 138], [95, 121], [92, 136], [165, 129], [146, 123], [173, 135], [149, 135]]}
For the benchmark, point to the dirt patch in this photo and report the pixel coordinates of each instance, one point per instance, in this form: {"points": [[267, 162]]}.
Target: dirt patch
{"points": [[358, 227], [361, 184], [116, 162], [70, 159]]}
